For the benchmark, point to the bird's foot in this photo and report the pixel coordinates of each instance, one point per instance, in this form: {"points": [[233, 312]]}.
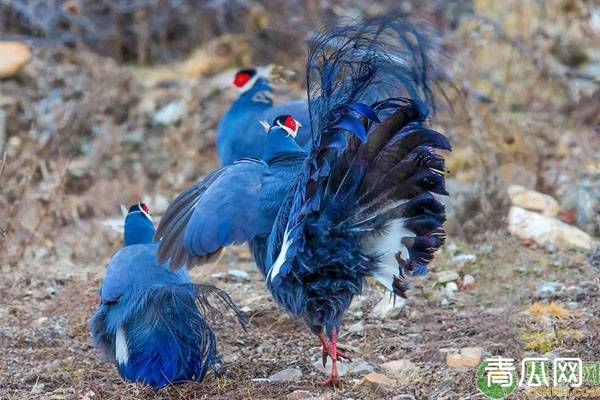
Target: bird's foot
{"points": [[332, 380], [330, 348]]}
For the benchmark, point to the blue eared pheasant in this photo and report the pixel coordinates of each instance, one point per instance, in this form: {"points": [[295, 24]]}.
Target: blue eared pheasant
{"points": [[152, 322], [240, 133], [362, 202]]}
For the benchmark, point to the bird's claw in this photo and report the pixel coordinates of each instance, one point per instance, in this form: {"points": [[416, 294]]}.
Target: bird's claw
{"points": [[333, 381]]}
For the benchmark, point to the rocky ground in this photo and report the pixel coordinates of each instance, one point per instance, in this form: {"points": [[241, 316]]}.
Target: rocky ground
{"points": [[518, 276]]}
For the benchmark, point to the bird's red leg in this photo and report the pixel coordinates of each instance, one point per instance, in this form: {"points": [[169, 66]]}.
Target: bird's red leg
{"points": [[339, 354], [331, 350]]}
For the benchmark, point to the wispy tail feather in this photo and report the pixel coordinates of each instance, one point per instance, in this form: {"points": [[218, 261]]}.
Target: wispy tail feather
{"points": [[169, 334]]}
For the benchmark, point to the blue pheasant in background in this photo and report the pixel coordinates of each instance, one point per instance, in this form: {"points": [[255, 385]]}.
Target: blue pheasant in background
{"points": [[240, 133], [362, 202], [152, 322]]}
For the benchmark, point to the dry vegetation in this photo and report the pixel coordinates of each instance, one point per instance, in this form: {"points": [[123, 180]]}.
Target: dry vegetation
{"points": [[83, 135]]}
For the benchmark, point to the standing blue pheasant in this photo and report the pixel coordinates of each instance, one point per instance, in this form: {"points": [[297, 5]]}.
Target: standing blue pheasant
{"points": [[362, 202], [152, 322], [240, 133]]}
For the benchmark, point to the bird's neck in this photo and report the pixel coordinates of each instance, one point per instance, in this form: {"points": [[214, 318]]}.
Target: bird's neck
{"points": [[261, 94], [279, 143], [138, 229]]}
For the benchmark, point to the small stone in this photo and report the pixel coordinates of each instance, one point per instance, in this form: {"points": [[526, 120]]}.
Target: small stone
{"points": [[404, 397], [468, 280], [388, 307], [399, 367], [486, 248], [548, 290], [451, 287], [170, 113], [447, 276], [300, 395], [287, 375], [463, 259], [572, 305], [532, 200], [343, 367], [576, 293], [245, 309], [357, 328], [444, 302], [239, 274], [467, 357], [378, 382], [361, 367], [531, 226], [13, 56]]}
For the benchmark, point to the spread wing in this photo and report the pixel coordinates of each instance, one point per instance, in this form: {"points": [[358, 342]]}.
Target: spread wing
{"points": [[220, 210]]}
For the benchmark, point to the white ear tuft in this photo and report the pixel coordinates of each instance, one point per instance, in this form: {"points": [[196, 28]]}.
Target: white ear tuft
{"points": [[265, 125]]}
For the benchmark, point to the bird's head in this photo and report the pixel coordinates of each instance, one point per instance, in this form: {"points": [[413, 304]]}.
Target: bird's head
{"points": [[140, 208], [285, 122], [245, 79], [138, 225]]}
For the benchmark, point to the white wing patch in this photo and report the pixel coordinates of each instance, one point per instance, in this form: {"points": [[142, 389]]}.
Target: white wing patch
{"points": [[386, 247], [274, 271], [121, 350]]}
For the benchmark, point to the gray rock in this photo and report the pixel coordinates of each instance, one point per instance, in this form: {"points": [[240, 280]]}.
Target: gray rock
{"points": [[361, 367], [572, 305], [593, 258], [287, 375], [584, 199], [170, 113], [343, 367], [300, 395], [576, 293], [239, 274], [463, 259], [549, 290], [468, 280], [357, 328], [447, 276], [388, 307], [399, 367]]}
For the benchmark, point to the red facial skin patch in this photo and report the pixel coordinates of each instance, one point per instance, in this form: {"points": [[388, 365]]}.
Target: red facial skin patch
{"points": [[290, 122], [145, 208], [241, 78]]}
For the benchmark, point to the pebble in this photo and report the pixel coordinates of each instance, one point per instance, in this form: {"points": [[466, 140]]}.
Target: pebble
{"points": [[447, 276], [468, 280], [287, 375], [170, 113], [343, 367], [378, 382], [404, 397], [239, 274], [361, 367], [533, 200], [13, 57], [357, 328], [388, 307], [531, 226], [398, 367], [548, 290], [572, 305], [467, 357], [463, 259], [300, 395], [576, 293]]}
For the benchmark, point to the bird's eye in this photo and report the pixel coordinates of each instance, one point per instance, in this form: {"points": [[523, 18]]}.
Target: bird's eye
{"points": [[290, 122], [145, 208], [241, 78]]}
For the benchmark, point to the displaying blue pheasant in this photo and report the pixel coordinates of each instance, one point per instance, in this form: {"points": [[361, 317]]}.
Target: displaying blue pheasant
{"points": [[363, 202], [152, 322], [240, 133]]}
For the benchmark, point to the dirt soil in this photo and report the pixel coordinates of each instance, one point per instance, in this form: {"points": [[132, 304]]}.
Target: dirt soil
{"points": [[85, 134]]}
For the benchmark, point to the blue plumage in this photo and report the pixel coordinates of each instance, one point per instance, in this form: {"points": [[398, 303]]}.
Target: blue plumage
{"points": [[361, 203], [240, 134], [152, 322]]}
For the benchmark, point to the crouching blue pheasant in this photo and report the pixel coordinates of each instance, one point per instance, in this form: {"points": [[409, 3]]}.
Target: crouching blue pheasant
{"points": [[362, 202], [153, 323]]}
